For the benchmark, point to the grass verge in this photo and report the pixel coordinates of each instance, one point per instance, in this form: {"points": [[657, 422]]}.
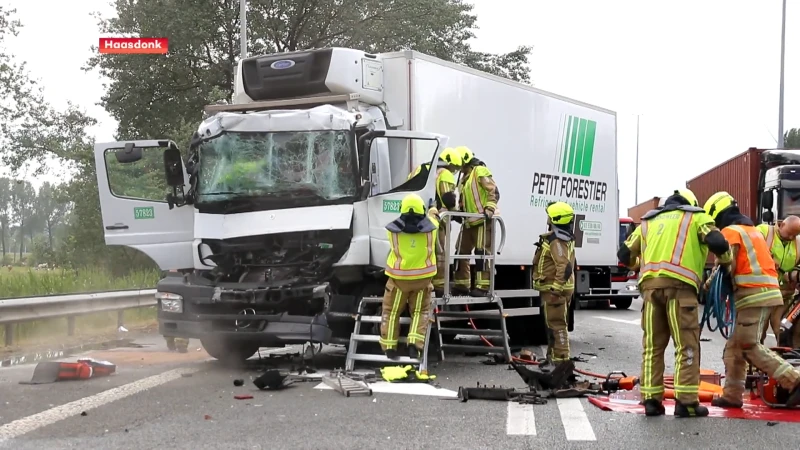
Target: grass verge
{"points": [[22, 282]]}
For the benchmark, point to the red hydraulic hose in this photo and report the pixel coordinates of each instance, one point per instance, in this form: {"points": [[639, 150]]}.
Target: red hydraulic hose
{"points": [[535, 363]]}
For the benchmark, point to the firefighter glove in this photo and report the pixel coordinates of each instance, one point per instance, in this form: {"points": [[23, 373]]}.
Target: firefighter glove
{"points": [[488, 213]]}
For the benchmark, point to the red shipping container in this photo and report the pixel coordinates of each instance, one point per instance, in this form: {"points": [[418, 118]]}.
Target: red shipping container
{"points": [[738, 176], [636, 212]]}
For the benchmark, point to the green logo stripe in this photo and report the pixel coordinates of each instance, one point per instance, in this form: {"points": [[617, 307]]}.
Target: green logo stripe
{"points": [[578, 146]]}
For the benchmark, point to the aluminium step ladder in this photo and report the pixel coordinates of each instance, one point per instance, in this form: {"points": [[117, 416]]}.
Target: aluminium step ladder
{"points": [[437, 315]]}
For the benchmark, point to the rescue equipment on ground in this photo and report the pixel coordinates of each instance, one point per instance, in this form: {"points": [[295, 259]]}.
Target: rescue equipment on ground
{"points": [[785, 338], [347, 385], [85, 368], [767, 389], [719, 306], [405, 374]]}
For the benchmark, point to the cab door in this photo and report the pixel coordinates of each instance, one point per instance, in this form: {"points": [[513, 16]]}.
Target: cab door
{"points": [[133, 193], [384, 203]]}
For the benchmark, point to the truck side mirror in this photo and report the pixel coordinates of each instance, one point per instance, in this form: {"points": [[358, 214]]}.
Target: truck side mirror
{"points": [[128, 154], [766, 199], [173, 167], [767, 216]]}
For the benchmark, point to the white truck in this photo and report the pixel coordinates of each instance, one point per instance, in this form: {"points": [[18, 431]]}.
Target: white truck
{"points": [[270, 229]]}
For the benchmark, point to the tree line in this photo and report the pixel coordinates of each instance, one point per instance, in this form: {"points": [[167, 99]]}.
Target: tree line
{"points": [[162, 96]]}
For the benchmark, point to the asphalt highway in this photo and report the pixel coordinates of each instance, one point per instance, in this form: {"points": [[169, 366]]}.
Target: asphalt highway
{"points": [[160, 399]]}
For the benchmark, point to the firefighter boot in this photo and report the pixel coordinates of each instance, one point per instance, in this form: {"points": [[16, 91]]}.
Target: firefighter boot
{"points": [[391, 353], [653, 407], [722, 402], [182, 345], [690, 410]]}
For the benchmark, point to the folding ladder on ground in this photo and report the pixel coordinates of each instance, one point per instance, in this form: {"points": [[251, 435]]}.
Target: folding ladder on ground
{"points": [[440, 315]]}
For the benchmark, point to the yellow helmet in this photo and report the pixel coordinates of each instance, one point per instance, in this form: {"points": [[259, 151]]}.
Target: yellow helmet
{"points": [[719, 202], [450, 156], [412, 203], [465, 154], [560, 213], [688, 195]]}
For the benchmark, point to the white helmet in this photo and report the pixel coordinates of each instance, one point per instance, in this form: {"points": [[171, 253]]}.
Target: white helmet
{"points": [[662, 201]]}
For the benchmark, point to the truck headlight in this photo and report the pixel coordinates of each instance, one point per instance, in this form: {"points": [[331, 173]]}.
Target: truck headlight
{"points": [[631, 287], [170, 302]]}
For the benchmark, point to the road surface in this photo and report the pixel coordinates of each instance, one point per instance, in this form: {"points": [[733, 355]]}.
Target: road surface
{"points": [[163, 400]]}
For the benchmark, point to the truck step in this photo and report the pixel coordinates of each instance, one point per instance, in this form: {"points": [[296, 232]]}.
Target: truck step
{"points": [[372, 338], [372, 299], [377, 319], [491, 314], [474, 348], [471, 332], [463, 300], [383, 358]]}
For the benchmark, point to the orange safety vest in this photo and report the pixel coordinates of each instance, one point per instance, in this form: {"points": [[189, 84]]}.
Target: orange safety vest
{"points": [[754, 265]]}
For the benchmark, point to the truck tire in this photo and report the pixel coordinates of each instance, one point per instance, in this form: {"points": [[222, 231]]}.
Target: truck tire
{"points": [[229, 353], [623, 303]]}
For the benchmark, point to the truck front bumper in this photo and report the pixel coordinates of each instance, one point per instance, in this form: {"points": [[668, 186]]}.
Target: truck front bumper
{"points": [[299, 315]]}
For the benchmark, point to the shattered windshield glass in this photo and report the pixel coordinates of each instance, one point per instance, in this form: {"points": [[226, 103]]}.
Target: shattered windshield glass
{"points": [[318, 163]]}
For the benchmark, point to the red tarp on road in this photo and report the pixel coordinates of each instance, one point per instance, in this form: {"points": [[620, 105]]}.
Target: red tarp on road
{"points": [[752, 410]]}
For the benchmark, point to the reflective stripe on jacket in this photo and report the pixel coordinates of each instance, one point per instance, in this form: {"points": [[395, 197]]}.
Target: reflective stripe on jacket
{"points": [[671, 246], [474, 196], [784, 254], [412, 256]]}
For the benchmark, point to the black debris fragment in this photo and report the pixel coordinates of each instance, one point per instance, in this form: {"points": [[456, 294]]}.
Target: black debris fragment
{"points": [[84, 414], [238, 382], [772, 424]]}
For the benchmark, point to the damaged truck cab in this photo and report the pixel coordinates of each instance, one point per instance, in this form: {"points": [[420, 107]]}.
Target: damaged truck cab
{"points": [[270, 226]]}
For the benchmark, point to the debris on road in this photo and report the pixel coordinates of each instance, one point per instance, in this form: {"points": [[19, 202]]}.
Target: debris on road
{"points": [[207, 417], [51, 371], [275, 379], [238, 382], [84, 413], [243, 397]]}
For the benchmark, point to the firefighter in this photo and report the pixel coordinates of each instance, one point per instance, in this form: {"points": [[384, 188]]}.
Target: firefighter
{"points": [[554, 278], [782, 242], [478, 194], [179, 344], [411, 266], [449, 163], [756, 293], [671, 247]]}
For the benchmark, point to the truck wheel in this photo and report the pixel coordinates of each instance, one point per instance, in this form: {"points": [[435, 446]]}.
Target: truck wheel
{"points": [[229, 352], [623, 303]]}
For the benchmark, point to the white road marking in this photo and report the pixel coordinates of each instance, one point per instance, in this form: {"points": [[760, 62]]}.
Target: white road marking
{"points": [[28, 424], [520, 420], [631, 322], [384, 387], [576, 423]]}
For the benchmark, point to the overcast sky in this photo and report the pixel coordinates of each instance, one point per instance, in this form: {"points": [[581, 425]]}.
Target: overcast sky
{"points": [[703, 74]]}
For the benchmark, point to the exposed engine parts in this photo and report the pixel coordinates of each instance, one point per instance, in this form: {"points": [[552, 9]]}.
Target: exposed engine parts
{"points": [[276, 260]]}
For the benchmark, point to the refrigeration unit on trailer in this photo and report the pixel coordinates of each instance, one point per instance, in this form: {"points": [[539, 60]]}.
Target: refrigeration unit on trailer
{"points": [[270, 227]]}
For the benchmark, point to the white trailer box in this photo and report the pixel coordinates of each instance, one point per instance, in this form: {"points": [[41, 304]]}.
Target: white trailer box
{"points": [[539, 146]]}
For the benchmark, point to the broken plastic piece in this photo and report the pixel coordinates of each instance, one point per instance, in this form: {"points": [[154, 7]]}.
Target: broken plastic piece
{"points": [[243, 397], [238, 382], [85, 368]]}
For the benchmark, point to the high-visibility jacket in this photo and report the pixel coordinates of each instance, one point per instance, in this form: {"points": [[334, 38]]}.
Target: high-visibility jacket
{"points": [[784, 254], [475, 197], [412, 256], [753, 267], [672, 246], [445, 182], [554, 262]]}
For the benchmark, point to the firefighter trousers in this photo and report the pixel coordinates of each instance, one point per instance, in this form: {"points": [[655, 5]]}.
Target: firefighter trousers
{"points": [[744, 347], [478, 238], [174, 343], [670, 312], [774, 321], [441, 265], [416, 294], [556, 309]]}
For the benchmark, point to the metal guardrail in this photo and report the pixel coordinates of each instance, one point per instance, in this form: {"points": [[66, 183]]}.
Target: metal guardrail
{"points": [[18, 310]]}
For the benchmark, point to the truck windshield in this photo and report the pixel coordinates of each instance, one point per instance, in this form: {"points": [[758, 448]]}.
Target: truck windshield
{"points": [[790, 202], [313, 163]]}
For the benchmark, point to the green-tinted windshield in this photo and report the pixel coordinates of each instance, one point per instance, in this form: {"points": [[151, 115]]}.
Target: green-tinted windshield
{"points": [[316, 163]]}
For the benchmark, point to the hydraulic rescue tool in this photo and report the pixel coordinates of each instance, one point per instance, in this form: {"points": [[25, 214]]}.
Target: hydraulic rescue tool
{"points": [[766, 388]]}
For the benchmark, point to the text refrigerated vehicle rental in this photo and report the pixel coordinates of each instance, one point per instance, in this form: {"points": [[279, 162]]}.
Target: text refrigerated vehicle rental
{"points": [[271, 227]]}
